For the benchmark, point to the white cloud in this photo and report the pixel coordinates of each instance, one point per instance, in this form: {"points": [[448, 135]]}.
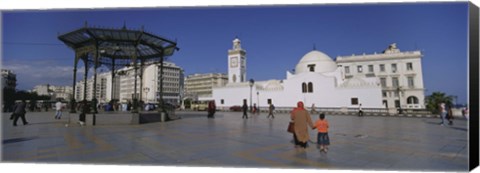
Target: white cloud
{"points": [[31, 73]]}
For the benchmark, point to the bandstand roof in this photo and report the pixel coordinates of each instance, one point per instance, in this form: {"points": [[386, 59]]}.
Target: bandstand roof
{"points": [[120, 44]]}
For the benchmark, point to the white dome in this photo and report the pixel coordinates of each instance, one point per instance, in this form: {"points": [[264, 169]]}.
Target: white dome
{"points": [[272, 85], [323, 63]]}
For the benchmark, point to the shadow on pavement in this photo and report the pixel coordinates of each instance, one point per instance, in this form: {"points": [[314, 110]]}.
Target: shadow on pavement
{"points": [[14, 140]]}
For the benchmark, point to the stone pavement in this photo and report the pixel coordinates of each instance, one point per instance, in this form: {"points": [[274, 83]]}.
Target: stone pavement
{"points": [[363, 143]]}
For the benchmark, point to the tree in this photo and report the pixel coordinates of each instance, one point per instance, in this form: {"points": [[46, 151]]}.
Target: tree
{"points": [[8, 99], [433, 101]]}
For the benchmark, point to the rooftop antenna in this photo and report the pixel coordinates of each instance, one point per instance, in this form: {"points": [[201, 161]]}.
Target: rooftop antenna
{"points": [[85, 24], [314, 47]]}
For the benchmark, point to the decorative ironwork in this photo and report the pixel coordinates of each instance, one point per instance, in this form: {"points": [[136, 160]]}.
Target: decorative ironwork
{"points": [[116, 49]]}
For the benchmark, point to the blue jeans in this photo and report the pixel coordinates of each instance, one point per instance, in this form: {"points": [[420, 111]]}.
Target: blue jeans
{"points": [[58, 114], [443, 115], [323, 139]]}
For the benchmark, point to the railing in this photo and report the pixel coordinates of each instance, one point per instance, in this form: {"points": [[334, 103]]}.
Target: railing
{"points": [[348, 110]]}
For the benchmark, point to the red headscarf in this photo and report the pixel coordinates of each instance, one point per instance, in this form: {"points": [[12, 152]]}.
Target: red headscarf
{"points": [[300, 105], [298, 108]]}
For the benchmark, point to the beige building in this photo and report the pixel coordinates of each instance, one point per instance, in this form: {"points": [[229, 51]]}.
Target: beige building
{"points": [[56, 92], [199, 86], [124, 86], [399, 74]]}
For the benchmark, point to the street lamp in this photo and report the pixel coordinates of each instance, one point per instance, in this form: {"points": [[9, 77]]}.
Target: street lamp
{"points": [[251, 82], [258, 102]]}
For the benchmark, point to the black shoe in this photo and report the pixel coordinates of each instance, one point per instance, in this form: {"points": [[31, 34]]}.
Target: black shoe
{"points": [[14, 125], [26, 123]]}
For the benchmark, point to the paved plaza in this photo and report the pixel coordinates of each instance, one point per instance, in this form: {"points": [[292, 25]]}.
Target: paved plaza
{"points": [[364, 143]]}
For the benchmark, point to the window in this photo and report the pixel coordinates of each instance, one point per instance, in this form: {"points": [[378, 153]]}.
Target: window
{"points": [[222, 101], [382, 67], [410, 82], [269, 101], [354, 101], [395, 81], [310, 87], [394, 68], [311, 67], [384, 93], [304, 87], [383, 82], [359, 69], [412, 100], [347, 69], [396, 93], [370, 68], [409, 66]]}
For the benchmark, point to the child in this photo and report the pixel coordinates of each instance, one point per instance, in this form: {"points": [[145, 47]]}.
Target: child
{"points": [[322, 138]]}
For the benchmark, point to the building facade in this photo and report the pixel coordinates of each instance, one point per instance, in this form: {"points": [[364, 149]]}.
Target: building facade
{"points": [[9, 79], [123, 87], [200, 86], [317, 80], [55, 92], [399, 74], [173, 83]]}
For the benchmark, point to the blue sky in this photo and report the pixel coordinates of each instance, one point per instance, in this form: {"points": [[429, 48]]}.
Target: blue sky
{"points": [[275, 37]]}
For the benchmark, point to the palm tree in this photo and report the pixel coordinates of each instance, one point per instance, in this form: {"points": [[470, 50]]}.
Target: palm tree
{"points": [[432, 101]]}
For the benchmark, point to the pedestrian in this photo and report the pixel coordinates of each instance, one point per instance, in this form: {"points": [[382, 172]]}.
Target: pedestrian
{"points": [[81, 117], [449, 115], [465, 113], [254, 111], [19, 112], [360, 110], [211, 109], [443, 113], [58, 108], [45, 105], [245, 110], [271, 109], [322, 137], [301, 119], [313, 111]]}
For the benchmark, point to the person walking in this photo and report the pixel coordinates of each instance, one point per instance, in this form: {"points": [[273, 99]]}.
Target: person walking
{"points": [[443, 113], [271, 109], [301, 119], [313, 111], [82, 115], [19, 112], [245, 110], [211, 109], [58, 108], [465, 113], [360, 110], [449, 115], [322, 137]]}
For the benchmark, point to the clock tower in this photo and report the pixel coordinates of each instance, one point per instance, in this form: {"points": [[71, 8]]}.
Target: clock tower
{"points": [[237, 63]]}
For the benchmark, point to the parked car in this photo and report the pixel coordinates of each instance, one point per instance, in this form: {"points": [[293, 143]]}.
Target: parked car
{"points": [[236, 108]]}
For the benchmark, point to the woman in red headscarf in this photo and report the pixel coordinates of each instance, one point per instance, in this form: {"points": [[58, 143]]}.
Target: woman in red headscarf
{"points": [[301, 119]]}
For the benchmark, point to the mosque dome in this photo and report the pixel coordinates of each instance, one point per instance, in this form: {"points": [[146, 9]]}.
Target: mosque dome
{"points": [[320, 61], [272, 85]]}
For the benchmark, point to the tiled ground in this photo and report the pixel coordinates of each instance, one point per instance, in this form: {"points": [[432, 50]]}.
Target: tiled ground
{"points": [[379, 143]]}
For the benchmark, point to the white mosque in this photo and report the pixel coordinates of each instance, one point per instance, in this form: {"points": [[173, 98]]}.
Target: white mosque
{"points": [[316, 80]]}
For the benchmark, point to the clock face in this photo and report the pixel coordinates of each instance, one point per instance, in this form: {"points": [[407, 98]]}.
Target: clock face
{"points": [[233, 62]]}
